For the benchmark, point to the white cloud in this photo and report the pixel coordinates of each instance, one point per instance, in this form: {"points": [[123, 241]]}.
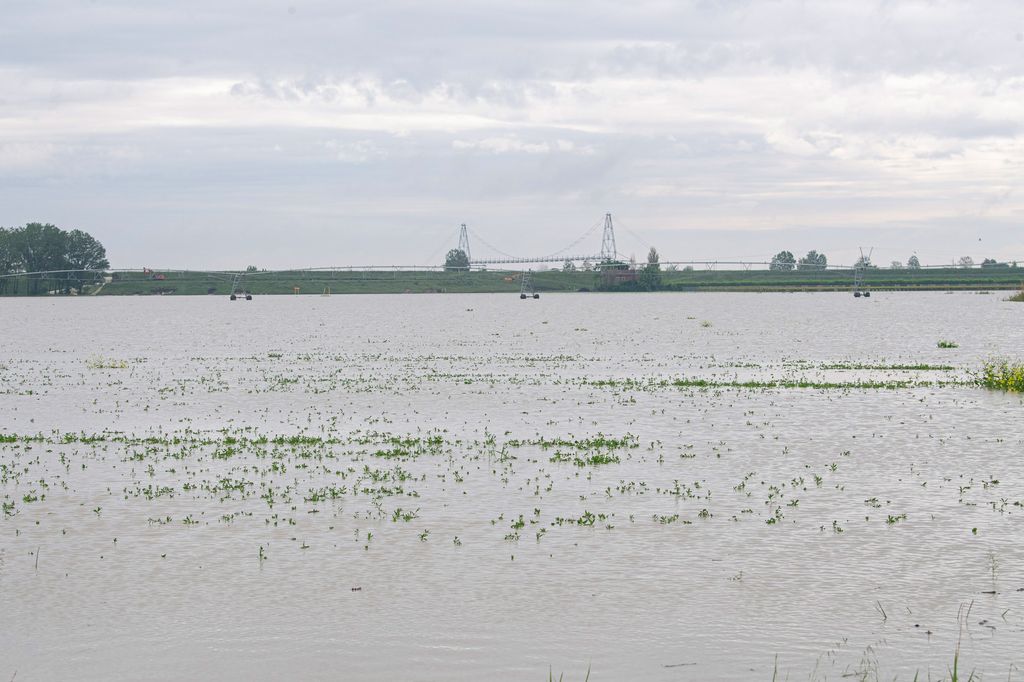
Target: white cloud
{"points": [[740, 115]]}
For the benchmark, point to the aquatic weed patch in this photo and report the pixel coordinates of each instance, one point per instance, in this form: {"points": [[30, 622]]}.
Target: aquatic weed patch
{"points": [[1002, 375], [413, 464]]}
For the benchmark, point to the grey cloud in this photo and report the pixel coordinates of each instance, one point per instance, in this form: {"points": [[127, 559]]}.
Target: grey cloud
{"points": [[353, 125]]}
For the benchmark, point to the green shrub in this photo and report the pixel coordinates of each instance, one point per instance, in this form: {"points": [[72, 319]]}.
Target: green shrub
{"points": [[1002, 375]]}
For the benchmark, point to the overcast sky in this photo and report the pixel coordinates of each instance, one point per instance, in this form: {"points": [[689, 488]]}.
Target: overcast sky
{"points": [[216, 134]]}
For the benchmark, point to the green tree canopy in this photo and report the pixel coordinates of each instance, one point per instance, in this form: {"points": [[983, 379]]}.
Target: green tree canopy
{"points": [[456, 260], [813, 261], [783, 260], [653, 260], [39, 248], [913, 263], [650, 277]]}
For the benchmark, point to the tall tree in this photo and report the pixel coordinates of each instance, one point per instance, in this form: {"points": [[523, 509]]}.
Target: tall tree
{"points": [[456, 260], [52, 258], [41, 250], [913, 263], [9, 261], [653, 260], [783, 260], [650, 276]]}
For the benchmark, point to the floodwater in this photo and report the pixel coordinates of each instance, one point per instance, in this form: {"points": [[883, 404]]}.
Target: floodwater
{"points": [[475, 487]]}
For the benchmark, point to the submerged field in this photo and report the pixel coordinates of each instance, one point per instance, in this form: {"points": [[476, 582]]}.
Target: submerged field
{"points": [[466, 487]]}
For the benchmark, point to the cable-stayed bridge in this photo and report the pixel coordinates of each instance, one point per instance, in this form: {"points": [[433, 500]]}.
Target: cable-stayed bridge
{"points": [[608, 252]]}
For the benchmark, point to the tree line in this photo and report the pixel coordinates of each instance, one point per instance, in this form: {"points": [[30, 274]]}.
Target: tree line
{"points": [[38, 248], [785, 260]]}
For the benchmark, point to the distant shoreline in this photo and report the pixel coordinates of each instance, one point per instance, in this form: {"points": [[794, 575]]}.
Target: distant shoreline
{"points": [[341, 282]]}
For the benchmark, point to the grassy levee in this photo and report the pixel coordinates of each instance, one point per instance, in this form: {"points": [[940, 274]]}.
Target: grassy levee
{"points": [[427, 281], [342, 282], [838, 280]]}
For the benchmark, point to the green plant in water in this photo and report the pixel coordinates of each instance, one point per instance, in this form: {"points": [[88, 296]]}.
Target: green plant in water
{"points": [[948, 344], [1002, 375]]}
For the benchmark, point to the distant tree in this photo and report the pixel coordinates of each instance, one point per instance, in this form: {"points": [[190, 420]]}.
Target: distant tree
{"points": [[688, 268], [966, 262], [993, 263], [587, 266], [813, 261], [52, 256], [456, 260], [783, 260], [41, 247], [865, 262], [672, 267], [250, 268], [568, 266], [653, 260], [896, 265], [650, 277], [85, 254], [913, 263], [9, 261]]}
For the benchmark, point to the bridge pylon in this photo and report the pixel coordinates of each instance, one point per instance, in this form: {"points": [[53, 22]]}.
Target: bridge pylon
{"points": [[464, 242], [608, 250]]}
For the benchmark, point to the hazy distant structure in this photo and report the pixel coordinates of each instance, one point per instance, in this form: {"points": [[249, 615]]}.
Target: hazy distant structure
{"points": [[464, 242], [526, 289], [861, 265], [608, 250], [236, 288]]}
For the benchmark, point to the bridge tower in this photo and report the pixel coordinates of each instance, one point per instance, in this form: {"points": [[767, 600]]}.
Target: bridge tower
{"points": [[464, 241], [608, 251]]}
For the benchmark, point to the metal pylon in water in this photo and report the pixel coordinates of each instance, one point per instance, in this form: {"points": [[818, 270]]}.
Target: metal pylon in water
{"points": [[608, 250], [236, 289], [858, 274], [526, 288], [464, 241]]}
